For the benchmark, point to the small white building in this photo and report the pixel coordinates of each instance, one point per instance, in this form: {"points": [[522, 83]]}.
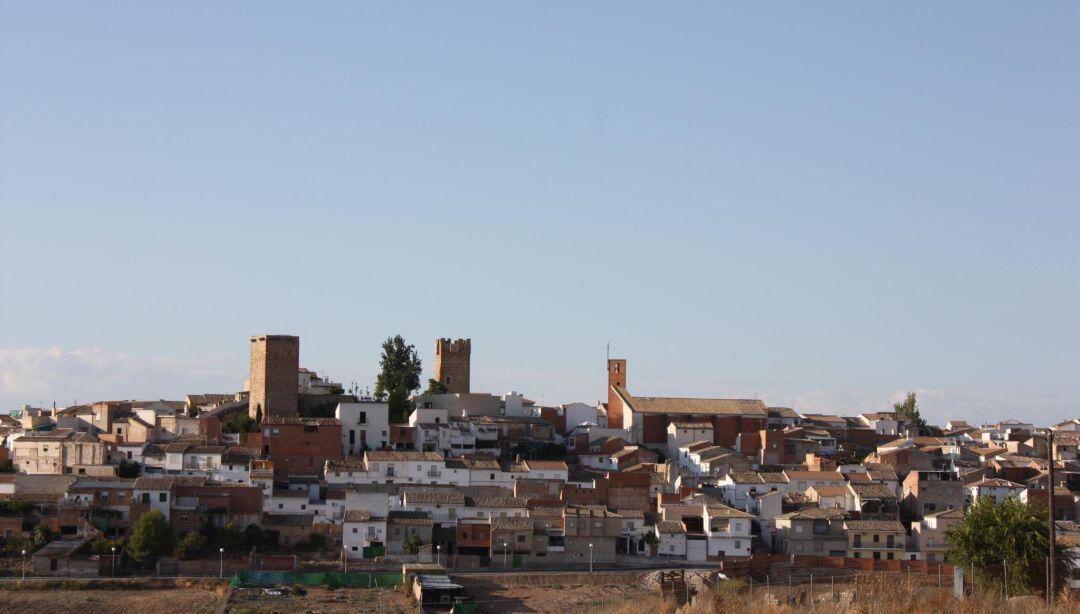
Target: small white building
{"points": [[680, 433], [365, 425], [360, 530], [995, 488]]}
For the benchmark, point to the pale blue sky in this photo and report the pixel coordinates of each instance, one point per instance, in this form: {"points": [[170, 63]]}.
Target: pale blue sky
{"points": [[820, 204]]}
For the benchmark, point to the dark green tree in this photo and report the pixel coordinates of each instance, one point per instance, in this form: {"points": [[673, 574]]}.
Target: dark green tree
{"points": [[193, 546], [128, 469], [908, 411], [434, 386], [151, 538], [258, 414], [1013, 535], [42, 535], [412, 544], [193, 411], [399, 377]]}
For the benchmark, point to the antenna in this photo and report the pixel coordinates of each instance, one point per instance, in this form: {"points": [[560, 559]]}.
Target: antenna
{"points": [[608, 347]]}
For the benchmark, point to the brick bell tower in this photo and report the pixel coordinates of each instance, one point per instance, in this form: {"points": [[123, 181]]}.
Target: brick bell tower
{"points": [[616, 378], [452, 364]]}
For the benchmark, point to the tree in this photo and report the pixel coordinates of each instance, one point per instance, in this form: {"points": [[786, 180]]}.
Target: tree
{"points": [[258, 413], [128, 469], [412, 544], [399, 377], [434, 386], [151, 538], [908, 411], [42, 535], [193, 411], [1012, 536], [193, 546], [239, 423]]}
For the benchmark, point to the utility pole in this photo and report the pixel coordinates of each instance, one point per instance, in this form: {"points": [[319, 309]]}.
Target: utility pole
{"points": [[1050, 510]]}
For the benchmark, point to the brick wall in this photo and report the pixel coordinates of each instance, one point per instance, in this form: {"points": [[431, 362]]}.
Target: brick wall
{"points": [[302, 447]]}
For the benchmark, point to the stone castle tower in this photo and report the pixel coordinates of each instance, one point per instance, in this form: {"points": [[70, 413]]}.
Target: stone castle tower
{"points": [[275, 373], [452, 364]]}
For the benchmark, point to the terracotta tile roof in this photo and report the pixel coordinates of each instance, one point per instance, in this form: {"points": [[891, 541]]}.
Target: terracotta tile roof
{"points": [[546, 464], [435, 497], [874, 525], [873, 491], [830, 491], [402, 455], [724, 511], [511, 523], [816, 513], [670, 527], [408, 518], [360, 516], [688, 406]]}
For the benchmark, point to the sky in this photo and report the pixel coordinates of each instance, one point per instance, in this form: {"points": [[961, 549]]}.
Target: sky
{"points": [[821, 205]]}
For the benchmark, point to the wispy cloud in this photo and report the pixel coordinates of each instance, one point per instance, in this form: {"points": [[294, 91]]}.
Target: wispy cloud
{"points": [[44, 375]]}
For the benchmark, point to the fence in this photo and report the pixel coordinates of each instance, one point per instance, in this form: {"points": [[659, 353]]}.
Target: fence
{"points": [[762, 564], [331, 579]]}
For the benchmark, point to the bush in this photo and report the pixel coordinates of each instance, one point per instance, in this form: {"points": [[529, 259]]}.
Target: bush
{"points": [[193, 546], [412, 544]]}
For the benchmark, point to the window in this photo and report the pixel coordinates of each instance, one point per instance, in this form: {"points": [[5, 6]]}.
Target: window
{"points": [[163, 497], [303, 506], [363, 417], [521, 538], [352, 437], [281, 506], [858, 541], [877, 538], [492, 476], [355, 530]]}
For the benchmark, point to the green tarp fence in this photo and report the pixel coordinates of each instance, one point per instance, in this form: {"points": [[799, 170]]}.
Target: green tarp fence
{"points": [[331, 579]]}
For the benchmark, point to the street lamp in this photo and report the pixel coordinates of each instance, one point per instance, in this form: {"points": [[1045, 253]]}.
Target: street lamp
{"points": [[590, 558], [345, 558], [24, 564], [114, 561], [504, 553], [221, 568], [438, 554]]}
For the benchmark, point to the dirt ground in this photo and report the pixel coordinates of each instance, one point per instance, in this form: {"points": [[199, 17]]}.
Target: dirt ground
{"points": [[319, 600], [180, 600], [497, 599]]}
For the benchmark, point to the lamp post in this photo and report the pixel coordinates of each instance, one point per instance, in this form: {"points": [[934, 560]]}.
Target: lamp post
{"points": [[114, 561], [221, 563], [590, 558], [345, 558], [24, 564], [438, 554], [504, 554]]}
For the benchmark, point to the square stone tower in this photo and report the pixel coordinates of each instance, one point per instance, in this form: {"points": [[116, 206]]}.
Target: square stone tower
{"points": [[275, 375], [452, 364]]}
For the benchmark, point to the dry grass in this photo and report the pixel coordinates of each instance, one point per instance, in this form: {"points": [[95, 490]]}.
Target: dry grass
{"points": [[887, 594], [180, 601]]}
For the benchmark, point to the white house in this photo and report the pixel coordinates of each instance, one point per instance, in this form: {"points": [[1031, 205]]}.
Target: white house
{"points": [[361, 529], [728, 529], [365, 425], [672, 535], [995, 488], [680, 433]]}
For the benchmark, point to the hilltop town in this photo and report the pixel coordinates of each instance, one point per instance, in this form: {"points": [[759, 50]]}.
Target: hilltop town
{"points": [[295, 470]]}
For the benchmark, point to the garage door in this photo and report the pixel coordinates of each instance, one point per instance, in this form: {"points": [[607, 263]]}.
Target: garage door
{"points": [[697, 550]]}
